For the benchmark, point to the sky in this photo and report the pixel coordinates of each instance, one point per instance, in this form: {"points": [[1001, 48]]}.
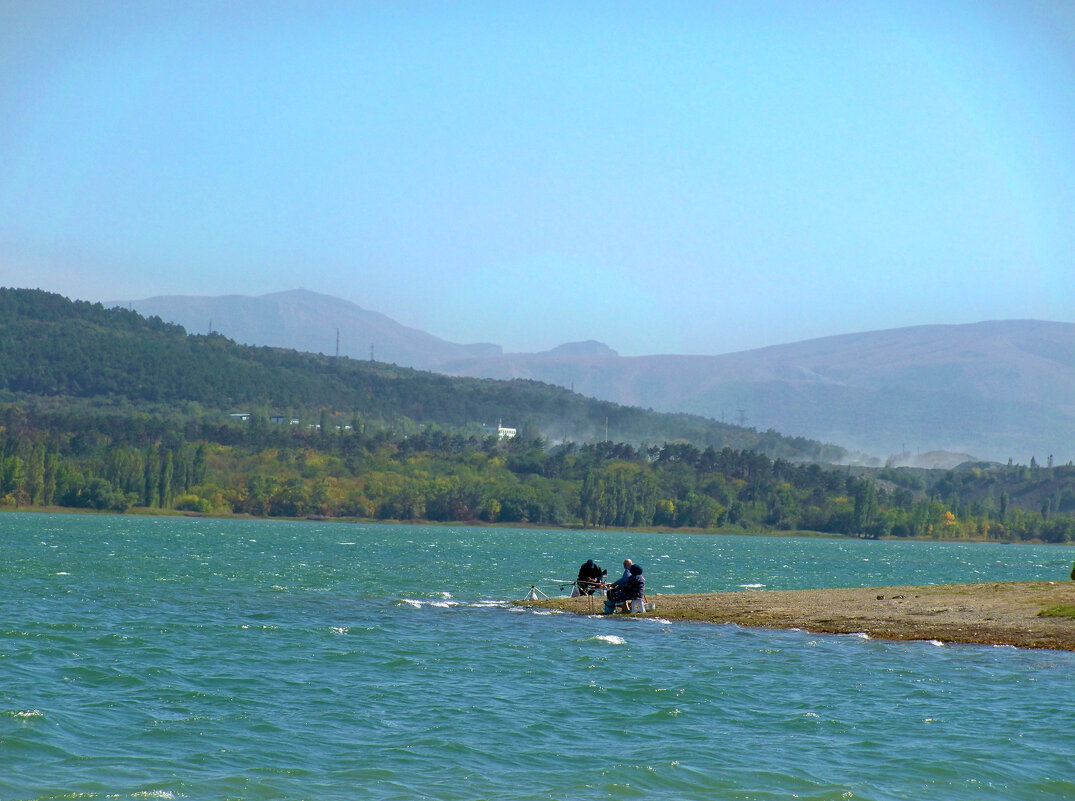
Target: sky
{"points": [[665, 177]]}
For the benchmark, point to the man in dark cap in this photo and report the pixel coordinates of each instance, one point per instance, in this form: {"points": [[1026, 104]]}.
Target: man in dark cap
{"points": [[590, 576]]}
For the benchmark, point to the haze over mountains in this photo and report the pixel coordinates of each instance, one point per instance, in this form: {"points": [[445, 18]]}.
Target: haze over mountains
{"points": [[309, 322], [996, 390]]}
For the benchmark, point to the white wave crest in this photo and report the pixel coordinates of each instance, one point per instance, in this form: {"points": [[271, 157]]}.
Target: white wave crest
{"points": [[612, 639], [751, 586], [419, 604]]}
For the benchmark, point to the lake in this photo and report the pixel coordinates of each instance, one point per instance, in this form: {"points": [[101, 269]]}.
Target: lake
{"points": [[213, 659]]}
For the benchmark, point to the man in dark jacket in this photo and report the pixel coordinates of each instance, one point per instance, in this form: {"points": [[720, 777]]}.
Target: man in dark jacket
{"points": [[590, 576]]}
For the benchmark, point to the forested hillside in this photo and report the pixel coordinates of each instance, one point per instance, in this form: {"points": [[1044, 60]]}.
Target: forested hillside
{"points": [[102, 409], [52, 347]]}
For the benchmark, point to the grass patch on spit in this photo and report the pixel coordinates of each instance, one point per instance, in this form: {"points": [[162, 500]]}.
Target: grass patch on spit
{"points": [[1058, 611]]}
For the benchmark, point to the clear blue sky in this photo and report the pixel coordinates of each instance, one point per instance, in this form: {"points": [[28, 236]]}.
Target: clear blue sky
{"points": [[671, 177]]}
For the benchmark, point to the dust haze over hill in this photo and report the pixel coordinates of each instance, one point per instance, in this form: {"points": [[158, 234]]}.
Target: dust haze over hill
{"points": [[994, 390]]}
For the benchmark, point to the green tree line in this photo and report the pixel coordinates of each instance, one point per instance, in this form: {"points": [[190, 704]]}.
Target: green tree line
{"points": [[254, 467]]}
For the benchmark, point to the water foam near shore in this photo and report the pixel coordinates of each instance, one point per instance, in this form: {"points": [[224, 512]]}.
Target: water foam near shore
{"points": [[201, 658]]}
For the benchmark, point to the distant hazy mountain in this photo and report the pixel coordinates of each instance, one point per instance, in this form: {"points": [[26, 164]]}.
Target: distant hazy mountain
{"points": [[995, 389], [307, 321]]}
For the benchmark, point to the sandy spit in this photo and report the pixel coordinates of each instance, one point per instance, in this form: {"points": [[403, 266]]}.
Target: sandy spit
{"points": [[1008, 613]]}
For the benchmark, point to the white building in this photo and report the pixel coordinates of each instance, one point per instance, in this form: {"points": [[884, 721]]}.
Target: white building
{"points": [[499, 431]]}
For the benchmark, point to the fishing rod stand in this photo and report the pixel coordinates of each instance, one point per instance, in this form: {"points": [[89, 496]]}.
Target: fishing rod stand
{"points": [[535, 594]]}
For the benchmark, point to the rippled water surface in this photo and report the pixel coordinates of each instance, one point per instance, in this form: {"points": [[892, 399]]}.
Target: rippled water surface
{"points": [[164, 658]]}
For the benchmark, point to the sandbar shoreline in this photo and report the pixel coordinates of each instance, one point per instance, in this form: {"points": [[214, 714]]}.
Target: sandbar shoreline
{"points": [[1023, 614]]}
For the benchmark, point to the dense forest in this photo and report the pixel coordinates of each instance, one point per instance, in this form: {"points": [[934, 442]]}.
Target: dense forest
{"points": [[102, 409]]}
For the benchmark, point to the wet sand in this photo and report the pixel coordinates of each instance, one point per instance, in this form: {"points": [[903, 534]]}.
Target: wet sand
{"points": [[1008, 613]]}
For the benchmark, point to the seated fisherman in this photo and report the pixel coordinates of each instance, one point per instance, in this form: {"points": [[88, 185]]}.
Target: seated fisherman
{"points": [[626, 573], [634, 588], [590, 577]]}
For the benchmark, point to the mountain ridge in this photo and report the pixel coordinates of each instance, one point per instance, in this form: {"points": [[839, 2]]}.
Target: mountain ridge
{"points": [[308, 321], [998, 389]]}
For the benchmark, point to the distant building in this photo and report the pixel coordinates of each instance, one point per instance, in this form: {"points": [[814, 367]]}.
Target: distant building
{"points": [[239, 415], [499, 431]]}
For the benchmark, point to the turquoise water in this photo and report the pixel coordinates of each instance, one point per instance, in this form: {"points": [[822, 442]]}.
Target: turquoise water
{"points": [[163, 658]]}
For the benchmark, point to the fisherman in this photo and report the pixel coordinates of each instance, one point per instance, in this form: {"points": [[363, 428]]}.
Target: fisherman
{"points": [[590, 577], [622, 594], [622, 580]]}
